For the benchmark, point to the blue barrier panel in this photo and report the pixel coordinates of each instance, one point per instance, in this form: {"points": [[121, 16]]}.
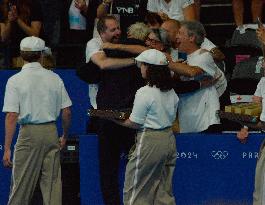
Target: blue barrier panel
{"points": [[211, 169], [78, 92]]}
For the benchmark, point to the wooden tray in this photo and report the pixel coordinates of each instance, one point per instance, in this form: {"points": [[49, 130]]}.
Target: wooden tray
{"points": [[110, 114]]}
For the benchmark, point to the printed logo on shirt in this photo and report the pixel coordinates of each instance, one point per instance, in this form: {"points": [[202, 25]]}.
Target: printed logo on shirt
{"points": [[126, 8], [123, 10]]}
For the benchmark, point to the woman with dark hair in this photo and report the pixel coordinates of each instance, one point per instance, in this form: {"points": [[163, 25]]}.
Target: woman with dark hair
{"points": [[153, 20], [149, 172], [21, 18]]}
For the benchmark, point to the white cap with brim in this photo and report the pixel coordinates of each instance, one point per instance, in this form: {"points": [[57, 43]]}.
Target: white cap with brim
{"points": [[32, 43], [153, 57]]}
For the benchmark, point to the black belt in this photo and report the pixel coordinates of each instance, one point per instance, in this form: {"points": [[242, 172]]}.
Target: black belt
{"points": [[42, 123]]}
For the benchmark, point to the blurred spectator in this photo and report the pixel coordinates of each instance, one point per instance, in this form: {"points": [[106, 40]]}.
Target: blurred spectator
{"points": [[126, 11], [173, 9], [153, 20], [81, 16], [138, 31], [198, 9], [172, 28], [261, 35], [158, 39], [21, 18], [238, 9], [51, 21]]}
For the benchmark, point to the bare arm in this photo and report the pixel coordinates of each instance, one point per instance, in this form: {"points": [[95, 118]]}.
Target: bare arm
{"points": [[217, 54], [32, 30], [7, 26], [128, 123], [5, 30], [256, 99], [103, 8], [261, 34], [189, 13], [136, 49], [105, 63], [184, 69], [66, 122], [242, 135], [81, 5], [258, 126], [10, 128]]}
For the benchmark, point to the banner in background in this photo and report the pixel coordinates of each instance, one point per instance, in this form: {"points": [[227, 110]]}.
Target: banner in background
{"points": [[210, 170]]}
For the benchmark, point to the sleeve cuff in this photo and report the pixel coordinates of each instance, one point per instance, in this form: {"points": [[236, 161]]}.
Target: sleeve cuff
{"points": [[136, 120]]}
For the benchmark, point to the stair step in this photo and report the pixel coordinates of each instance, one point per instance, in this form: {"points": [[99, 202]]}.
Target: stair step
{"points": [[219, 33], [215, 5], [217, 14], [215, 2]]}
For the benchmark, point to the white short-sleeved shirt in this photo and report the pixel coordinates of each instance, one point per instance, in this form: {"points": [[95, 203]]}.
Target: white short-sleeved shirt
{"points": [[37, 94], [197, 110], [210, 68], [153, 108], [93, 46], [260, 92], [207, 44], [174, 9], [221, 84]]}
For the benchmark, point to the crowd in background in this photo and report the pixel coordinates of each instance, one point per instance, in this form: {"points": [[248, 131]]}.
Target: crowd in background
{"points": [[173, 53], [70, 24]]}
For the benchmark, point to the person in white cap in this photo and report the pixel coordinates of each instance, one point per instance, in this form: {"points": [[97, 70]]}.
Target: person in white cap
{"points": [[149, 172], [34, 98]]}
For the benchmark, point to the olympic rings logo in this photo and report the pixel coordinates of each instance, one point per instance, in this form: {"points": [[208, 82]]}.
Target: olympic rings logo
{"points": [[219, 154]]}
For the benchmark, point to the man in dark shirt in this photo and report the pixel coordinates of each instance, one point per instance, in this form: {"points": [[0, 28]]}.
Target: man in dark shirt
{"points": [[118, 83]]}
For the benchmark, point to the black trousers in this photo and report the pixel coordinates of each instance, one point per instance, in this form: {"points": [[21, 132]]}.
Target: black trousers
{"points": [[115, 142]]}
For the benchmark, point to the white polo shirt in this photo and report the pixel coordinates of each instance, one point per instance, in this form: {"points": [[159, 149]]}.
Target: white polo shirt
{"points": [[37, 94], [197, 110], [174, 9], [153, 108], [93, 46], [260, 92], [207, 44]]}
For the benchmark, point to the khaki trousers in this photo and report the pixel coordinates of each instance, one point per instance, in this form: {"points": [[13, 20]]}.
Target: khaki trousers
{"points": [[259, 192], [149, 172], [36, 156]]}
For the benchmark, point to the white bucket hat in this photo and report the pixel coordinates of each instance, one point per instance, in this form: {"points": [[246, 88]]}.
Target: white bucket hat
{"points": [[32, 43], [152, 56]]}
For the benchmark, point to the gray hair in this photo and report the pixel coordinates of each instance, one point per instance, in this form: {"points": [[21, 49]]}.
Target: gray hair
{"points": [[195, 28], [139, 31]]}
